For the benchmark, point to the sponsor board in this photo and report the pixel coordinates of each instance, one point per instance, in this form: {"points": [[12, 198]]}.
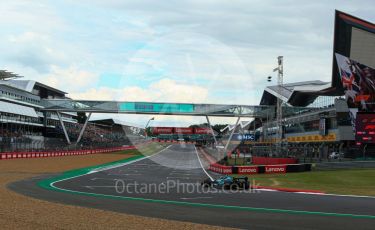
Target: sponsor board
{"points": [[313, 138], [162, 130], [202, 131], [183, 130], [247, 170], [220, 169], [275, 169]]}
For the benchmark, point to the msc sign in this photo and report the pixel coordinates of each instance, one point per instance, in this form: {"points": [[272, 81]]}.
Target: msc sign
{"points": [[244, 137]]}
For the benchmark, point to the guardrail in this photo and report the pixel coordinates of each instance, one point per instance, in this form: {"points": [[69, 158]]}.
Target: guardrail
{"points": [[15, 155]]}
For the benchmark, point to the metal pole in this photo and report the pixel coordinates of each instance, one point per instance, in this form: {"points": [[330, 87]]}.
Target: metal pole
{"points": [[148, 122], [230, 137], [279, 101], [63, 127], [212, 131], [83, 129]]}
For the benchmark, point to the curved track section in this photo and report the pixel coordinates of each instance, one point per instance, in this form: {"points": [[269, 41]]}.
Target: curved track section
{"points": [[166, 185]]}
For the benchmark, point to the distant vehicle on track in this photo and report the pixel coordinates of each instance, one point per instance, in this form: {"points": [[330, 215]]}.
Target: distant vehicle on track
{"points": [[336, 155], [228, 182]]}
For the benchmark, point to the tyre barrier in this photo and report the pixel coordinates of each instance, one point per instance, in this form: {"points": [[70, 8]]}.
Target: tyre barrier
{"points": [[16, 155]]}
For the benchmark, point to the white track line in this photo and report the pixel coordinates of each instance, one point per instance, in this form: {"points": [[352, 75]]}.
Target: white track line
{"points": [[103, 169], [200, 162], [126, 163], [195, 198], [353, 196]]}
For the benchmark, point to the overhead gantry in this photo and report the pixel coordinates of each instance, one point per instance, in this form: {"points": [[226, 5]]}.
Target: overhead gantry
{"points": [[126, 107], [154, 108]]}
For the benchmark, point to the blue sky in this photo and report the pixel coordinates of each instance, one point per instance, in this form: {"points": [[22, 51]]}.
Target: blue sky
{"points": [[187, 51]]}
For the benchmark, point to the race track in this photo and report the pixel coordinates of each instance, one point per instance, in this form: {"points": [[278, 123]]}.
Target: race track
{"points": [[165, 185]]}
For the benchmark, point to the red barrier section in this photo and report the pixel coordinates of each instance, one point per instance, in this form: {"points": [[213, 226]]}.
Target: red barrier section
{"points": [[180, 130], [4, 156], [220, 169], [273, 161], [275, 169], [202, 131], [247, 169], [162, 130]]}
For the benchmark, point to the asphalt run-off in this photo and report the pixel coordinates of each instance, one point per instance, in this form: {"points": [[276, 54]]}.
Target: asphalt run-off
{"points": [[167, 185]]}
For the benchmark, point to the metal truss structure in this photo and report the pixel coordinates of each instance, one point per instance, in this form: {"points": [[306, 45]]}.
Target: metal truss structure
{"points": [[69, 105]]}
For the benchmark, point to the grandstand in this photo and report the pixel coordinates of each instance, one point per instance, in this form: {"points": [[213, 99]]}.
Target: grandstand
{"points": [[26, 126]]}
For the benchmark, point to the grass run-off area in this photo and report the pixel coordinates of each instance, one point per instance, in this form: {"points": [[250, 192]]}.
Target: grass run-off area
{"points": [[348, 182]]}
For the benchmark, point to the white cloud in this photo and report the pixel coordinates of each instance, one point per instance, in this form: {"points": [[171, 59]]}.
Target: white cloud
{"points": [[188, 51], [70, 78], [165, 90]]}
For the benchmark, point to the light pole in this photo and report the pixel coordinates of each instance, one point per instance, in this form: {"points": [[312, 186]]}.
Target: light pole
{"points": [[280, 74], [148, 122]]}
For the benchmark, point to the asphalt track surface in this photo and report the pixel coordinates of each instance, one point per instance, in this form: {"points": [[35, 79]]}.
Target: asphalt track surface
{"points": [[177, 171]]}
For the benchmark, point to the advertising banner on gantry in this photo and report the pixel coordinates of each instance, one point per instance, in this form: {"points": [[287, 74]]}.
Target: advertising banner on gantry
{"points": [[358, 81], [179, 130], [162, 130], [202, 131]]}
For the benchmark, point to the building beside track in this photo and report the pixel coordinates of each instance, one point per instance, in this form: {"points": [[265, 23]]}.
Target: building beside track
{"points": [[324, 117]]}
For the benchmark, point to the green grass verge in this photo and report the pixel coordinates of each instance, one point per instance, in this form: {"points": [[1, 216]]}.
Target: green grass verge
{"points": [[347, 182]]}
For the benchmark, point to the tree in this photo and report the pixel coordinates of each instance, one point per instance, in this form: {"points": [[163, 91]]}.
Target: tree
{"points": [[218, 127], [81, 117]]}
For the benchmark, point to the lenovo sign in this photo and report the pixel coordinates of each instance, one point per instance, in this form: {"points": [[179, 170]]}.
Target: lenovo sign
{"points": [[275, 169], [247, 170]]}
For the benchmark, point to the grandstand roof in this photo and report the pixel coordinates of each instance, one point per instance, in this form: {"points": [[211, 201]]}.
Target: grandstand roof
{"points": [[29, 85], [296, 94]]}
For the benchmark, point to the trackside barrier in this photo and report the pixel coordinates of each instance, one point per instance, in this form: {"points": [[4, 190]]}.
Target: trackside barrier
{"points": [[259, 169], [247, 169], [7, 155], [253, 169], [275, 169], [220, 168]]}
